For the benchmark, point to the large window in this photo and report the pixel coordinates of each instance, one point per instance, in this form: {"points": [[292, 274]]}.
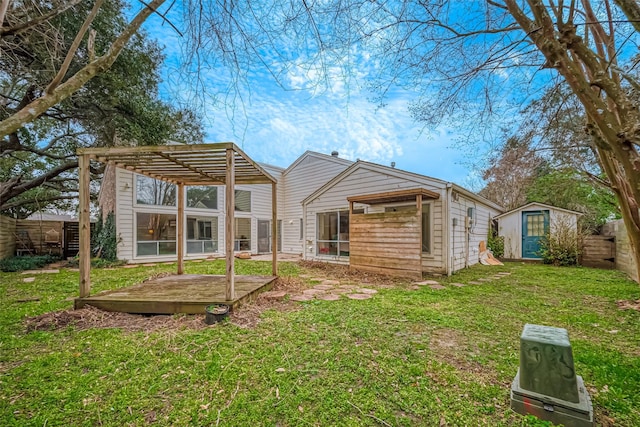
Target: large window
{"points": [[151, 191], [203, 197], [202, 235], [242, 234], [243, 201], [333, 233], [425, 223], [155, 234]]}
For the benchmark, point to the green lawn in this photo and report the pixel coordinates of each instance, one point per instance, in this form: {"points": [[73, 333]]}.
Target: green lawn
{"points": [[404, 357]]}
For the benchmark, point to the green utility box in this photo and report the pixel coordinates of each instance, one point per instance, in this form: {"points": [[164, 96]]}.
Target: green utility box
{"points": [[546, 384]]}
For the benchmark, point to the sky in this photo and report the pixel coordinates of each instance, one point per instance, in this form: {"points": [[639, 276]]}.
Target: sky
{"points": [[275, 125]]}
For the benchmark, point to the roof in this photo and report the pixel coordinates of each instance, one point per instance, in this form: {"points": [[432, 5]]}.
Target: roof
{"points": [[400, 174], [45, 216], [394, 196], [318, 155], [551, 207], [197, 164]]}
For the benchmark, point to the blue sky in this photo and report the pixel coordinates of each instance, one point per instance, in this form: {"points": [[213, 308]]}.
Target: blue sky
{"points": [[276, 126]]}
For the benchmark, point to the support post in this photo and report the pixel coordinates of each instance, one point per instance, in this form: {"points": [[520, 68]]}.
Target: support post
{"points": [[84, 226], [274, 229], [180, 223], [230, 207], [419, 207]]}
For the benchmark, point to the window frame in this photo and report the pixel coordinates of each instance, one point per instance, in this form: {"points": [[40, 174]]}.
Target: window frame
{"points": [[136, 202], [338, 242], [186, 199], [157, 242]]}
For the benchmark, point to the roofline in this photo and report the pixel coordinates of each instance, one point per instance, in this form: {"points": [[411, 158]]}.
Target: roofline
{"points": [[316, 154], [400, 172], [538, 203]]}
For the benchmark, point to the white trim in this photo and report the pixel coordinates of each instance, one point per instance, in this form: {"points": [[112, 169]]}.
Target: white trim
{"points": [[544, 206]]}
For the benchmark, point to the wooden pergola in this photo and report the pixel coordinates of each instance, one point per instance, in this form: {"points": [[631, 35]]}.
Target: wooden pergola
{"points": [[182, 165]]}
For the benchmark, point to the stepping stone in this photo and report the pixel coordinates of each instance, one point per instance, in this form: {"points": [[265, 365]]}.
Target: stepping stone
{"points": [[167, 263], [414, 287], [323, 287], [28, 279], [301, 298], [77, 269], [41, 271], [197, 260], [340, 291], [427, 282], [349, 287], [504, 273], [437, 287], [151, 264], [458, 285], [313, 292], [274, 295], [367, 291], [330, 282], [484, 279], [130, 266], [359, 296], [305, 276], [328, 297], [475, 283]]}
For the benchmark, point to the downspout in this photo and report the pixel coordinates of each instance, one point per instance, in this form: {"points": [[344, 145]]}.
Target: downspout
{"points": [[447, 229]]}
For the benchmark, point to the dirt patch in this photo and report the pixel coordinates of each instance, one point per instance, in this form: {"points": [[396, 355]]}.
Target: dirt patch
{"points": [[93, 318], [343, 273], [628, 305]]}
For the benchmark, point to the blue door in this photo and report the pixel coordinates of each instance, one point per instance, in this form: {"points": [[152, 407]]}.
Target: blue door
{"points": [[535, 224]]}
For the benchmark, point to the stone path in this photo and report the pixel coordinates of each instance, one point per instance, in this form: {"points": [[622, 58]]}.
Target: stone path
{"points": [[437, 286], [326, 290]]}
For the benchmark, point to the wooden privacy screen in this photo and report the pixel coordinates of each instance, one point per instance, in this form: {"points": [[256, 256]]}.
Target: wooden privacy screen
{"points": [[387, 243]]}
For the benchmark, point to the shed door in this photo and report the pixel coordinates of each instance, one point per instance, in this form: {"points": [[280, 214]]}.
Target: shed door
{"points": [[535, 224]]}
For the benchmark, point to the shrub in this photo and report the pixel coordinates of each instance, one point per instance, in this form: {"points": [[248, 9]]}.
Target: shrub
{"points": [[104, 241], [28, 262], [496, 244], [562, 246]]}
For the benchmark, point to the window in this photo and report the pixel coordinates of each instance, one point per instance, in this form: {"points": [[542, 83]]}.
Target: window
{"points": [[151, 191], [202, 235], [242, 234], [203, 197], [155, 234], [425, 223], [333, 233], [243, 201]]}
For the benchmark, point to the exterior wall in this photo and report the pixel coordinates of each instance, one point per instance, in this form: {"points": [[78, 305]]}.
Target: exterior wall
{"points": [[127, 208], [7, 237], [624, 255], [465, 241], [302, 179], [362, 181], [510, 226]]}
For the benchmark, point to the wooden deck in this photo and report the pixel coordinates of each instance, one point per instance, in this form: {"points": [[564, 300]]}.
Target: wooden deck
{"points": [[186, 293]]}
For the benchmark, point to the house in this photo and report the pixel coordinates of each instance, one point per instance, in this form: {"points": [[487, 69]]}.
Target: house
{"points": [[523, 228], [314, 213]]}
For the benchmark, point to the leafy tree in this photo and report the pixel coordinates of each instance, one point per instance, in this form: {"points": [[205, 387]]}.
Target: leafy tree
{"points": [[118, 106]]}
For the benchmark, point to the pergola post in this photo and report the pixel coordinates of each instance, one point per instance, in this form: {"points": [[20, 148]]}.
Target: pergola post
{"points": [[230, 223], [274, 229], [84, 225], [180, 223]]}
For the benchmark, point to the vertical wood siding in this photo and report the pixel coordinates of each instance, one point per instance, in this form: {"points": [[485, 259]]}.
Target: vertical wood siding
{"points": [[7, 237]]}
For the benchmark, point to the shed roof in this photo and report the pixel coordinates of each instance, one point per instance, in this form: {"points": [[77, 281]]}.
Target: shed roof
{"points": [[197, 164], [394, 196], [539, 205]]}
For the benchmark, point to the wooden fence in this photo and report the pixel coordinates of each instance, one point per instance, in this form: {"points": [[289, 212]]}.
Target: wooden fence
{"points": [[599, 252], [31, 237], [624, 257], [7, 237]]}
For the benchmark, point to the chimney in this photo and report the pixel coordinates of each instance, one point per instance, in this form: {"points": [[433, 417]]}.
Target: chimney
{"points": [[393, 164], [334, 153]]}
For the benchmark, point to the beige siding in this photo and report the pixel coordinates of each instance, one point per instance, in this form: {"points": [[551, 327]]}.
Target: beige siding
{"points": [[308, 175], [466, 240], [365, 180], [624, 256], [7, 237], [125, 185]]}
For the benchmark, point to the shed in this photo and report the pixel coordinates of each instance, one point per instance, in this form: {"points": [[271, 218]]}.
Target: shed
{"points": [[523, 228]]}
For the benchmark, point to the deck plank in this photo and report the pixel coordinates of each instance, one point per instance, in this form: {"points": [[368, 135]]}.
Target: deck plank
{"points": [[186, 293]]}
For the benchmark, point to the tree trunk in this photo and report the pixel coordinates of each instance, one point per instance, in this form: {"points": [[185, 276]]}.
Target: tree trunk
{"points": [[39, 106]]}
